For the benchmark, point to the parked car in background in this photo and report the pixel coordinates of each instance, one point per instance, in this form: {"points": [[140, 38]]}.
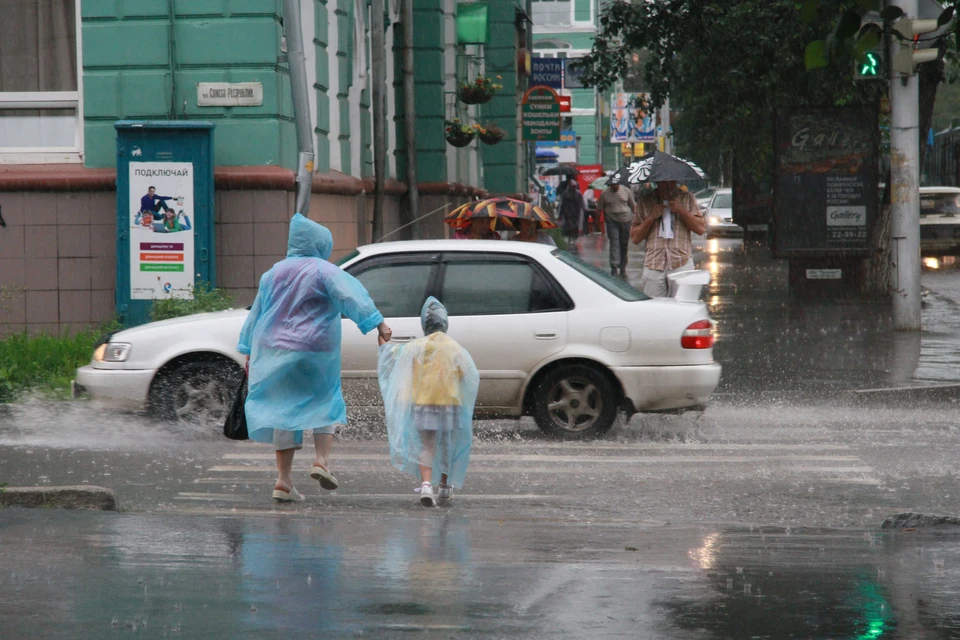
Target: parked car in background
{"points": [[719, 215], [939, 221], [552, 337], [704, 197]]}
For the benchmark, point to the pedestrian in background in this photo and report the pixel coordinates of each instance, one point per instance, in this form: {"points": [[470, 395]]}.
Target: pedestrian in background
{"points": [[292, 341], [429, 389], [665, 220], [570, 212], [617, 206]]}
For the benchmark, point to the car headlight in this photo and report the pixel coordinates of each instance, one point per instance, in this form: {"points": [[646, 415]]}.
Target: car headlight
{"points": [[716, 220], [112, 352]]}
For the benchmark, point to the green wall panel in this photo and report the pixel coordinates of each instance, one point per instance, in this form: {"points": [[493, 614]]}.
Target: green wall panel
{"points": [[323, 153], [145, 94], [321, 23], [581, 41], [254, 7], [90, 9], [99, 143], [233, 42], [145, 8], [126, 44], [184, 8], [259, 142], [101, 95], [323, 112], [346, 152]]}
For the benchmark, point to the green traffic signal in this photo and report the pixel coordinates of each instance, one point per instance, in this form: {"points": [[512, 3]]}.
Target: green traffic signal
{"points": [[870, 66]]}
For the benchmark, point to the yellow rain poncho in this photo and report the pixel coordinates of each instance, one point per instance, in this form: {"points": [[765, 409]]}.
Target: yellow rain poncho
{"points": [[429, 389]]}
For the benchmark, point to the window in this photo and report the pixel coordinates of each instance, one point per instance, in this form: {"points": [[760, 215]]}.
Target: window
{"points": [[398, 289], [614, 285], [498, 286], [939, 204], [722, 201], [551, 12], [40, 106]]}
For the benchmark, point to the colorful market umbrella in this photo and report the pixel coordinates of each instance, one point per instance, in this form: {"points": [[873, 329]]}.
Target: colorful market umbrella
{"points": [[501, 211]]}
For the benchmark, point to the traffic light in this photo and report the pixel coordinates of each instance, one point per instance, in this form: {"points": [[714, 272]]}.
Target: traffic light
{"points": [[907, 59], [870, 66]]}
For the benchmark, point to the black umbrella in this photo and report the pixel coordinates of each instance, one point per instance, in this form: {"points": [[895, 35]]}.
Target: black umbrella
{"points": [[658, 167], [570, 172]]}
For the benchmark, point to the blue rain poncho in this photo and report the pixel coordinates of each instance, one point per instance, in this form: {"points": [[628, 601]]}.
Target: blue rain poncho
{"points": [[292, 336], [429, 388]]}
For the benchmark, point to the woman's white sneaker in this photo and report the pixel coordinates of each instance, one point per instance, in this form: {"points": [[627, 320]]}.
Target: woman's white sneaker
{"points": [[427, 498], [445, 495]]}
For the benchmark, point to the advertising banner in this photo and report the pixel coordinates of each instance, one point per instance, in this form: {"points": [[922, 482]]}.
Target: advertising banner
{"points": [[629, 122], [161, 235], [825, 195]]}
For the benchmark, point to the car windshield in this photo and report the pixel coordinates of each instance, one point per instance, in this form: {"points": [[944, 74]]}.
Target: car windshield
{"points": [[723, 201], [939, 204], [616, 286]]}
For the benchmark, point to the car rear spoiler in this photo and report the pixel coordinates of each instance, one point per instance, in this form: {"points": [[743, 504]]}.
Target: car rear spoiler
{"points": [[689, 284]]}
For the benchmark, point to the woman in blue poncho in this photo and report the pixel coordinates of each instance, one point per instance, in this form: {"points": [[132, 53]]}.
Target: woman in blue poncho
{"points": [[429, 389], [292, 342]]}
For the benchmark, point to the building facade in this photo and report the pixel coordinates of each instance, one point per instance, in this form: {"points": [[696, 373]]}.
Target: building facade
{"points": [[566, 29], [69, 69]]}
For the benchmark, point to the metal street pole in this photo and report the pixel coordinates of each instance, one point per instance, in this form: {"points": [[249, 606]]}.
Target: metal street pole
{"points": [[410, 120], [905, 190], [665, 123], [378, 86], [301, 103]]}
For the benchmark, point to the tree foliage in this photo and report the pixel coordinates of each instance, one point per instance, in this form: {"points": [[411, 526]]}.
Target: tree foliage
{"points": [[728, 67]]}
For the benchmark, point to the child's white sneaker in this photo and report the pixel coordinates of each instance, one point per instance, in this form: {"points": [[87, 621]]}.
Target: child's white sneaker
{"points": [[426, 495], [445, 495]]}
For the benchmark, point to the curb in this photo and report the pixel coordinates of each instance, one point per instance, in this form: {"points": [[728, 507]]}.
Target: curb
{"points": [[76, 497], [925, 393], [918, 521]]}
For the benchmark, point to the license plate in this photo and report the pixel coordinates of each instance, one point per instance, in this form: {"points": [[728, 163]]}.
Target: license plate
{"points": [[824, 274], [756, 227]]}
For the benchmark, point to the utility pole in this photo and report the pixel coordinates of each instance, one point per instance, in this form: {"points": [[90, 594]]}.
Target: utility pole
{"points": [[378, 83], [665, 123], [905, 165], [410, 120], [301, 103]]}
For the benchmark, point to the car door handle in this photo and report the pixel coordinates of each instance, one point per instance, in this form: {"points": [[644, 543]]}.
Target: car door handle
{"points": [[545, 335]]}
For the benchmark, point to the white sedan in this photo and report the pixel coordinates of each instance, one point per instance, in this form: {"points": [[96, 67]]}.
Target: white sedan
{"points": [[553, 337], [719, 215]]}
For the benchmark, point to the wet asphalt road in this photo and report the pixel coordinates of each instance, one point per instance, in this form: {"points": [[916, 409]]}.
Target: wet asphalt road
{"points": [[645, 532]]}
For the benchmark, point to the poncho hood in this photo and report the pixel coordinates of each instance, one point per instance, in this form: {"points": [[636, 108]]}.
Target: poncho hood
{"points": [[309, 239], [433, 316]]}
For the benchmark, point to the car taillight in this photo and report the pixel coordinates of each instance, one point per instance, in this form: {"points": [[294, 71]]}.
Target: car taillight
{"points": [[699, 335]]}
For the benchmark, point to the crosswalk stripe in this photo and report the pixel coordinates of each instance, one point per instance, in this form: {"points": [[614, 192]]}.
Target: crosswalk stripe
{"points": [[576, 459]]}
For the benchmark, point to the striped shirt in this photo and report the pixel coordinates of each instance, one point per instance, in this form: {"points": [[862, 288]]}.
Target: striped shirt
{"points": [[665, 254]]}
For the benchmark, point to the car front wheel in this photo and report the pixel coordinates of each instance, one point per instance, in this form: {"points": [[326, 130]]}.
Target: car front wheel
{"points": [[197, 392], [575, 402]]}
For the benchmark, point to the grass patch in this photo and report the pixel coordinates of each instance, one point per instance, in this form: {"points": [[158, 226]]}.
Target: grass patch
{"points": [[45, 363], [205, 299]]}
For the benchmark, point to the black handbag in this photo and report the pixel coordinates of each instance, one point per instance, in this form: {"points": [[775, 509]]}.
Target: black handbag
{"points": [[235, 426]]}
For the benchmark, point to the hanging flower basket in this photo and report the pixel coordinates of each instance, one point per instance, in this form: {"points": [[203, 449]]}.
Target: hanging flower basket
{"points": [[459, 134], [479, 91], [489, 133]]}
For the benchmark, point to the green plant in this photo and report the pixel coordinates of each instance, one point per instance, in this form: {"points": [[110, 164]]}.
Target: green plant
{"points": [[459, 134], [479, 91], [205, 299], [45, 363], [489, 133]]}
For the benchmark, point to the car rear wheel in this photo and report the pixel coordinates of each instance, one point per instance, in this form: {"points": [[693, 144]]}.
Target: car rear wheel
{"points": [[575, 402], [197, 392]]}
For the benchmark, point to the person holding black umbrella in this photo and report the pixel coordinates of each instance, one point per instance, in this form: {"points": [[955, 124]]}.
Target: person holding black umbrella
{"points": [[665, 220]]}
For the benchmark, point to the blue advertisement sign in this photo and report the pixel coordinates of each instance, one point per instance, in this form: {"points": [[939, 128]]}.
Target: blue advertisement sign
{"points": [[568, 138], [547, 72]]}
